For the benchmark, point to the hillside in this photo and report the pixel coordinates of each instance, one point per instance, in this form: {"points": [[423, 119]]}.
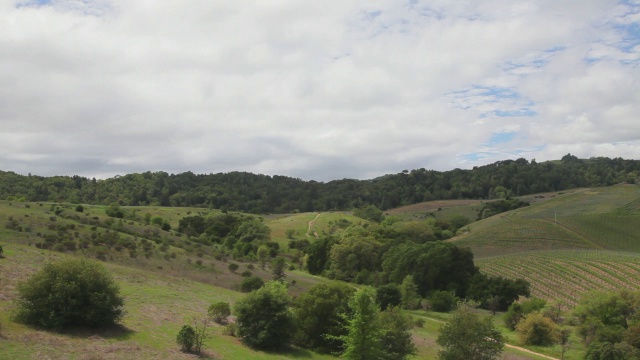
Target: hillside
{"points": [[566, 244]]}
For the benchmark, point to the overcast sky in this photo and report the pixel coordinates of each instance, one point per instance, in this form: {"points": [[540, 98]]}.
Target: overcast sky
{"points": [[318, 90]]}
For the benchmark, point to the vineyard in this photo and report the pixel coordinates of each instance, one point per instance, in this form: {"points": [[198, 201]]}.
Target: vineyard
{"points": [[565, 246], [566, 275]]}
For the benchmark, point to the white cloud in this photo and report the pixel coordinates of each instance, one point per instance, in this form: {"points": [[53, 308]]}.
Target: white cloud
{"points": [[317, 90]]}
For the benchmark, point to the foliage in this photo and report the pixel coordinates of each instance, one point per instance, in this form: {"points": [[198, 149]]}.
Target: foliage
{"points": [[364, 331], [535, 329], [186, 338], [369, 212], [604, 316], [502, 291], [251, 283], [396, 338], [246, 192], [277, 268], [318, 318], [192, 337], [70, 293], [1, 252], [408, 292], [442, 301], [466, 336], [114, 210], [434, 266], [264, 319], [388, 296], [219, 311], [491, 208], [233, 267], [517, 311], [604, 351]]}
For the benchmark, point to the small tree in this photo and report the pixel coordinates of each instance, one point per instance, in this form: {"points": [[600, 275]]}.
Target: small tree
{"points": [[70, 293], [233, 267], [388, 296], [219, 312], [466, 336], [1, 252], [442, 301], [192, 337]]}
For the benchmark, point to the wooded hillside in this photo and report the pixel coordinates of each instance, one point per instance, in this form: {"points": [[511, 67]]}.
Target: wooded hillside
{"points": [[247, 192]]}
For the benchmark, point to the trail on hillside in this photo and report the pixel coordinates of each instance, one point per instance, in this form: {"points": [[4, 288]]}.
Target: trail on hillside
{"points": [[311, 224]]}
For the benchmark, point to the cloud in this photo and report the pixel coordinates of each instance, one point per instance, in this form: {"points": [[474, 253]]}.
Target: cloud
{"points": [[313, 90]]}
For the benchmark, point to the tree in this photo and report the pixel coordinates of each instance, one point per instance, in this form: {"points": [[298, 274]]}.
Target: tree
{"points": [[363, 327], [233, 267], [1, 252], [604, 351], [264, 319], [70, 293], [192, 337], [219, 312], [277, 268], [388, 295], [318, 317], [442, 301], [536, 329], [396, 338], [263, 255], [251, 283], [408, 292], [466, 336]]}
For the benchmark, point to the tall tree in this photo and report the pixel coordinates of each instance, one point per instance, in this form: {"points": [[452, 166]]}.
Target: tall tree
{"points": [[362, 341]]}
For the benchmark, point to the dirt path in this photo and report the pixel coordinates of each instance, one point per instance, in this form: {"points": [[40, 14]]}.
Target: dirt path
{"points": [[506, 345], [311, 223]]}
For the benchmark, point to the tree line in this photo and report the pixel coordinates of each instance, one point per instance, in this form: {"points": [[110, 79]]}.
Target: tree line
{"points": [[254, 193]]}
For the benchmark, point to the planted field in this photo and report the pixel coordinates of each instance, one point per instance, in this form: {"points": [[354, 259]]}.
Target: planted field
{"points": [[567, 275]]}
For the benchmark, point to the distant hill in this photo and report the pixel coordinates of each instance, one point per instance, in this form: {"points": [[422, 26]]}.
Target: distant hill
{"points": [[241, 191]]}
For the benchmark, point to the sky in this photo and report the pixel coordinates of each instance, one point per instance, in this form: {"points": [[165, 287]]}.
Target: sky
{"points": [[317, 90]]}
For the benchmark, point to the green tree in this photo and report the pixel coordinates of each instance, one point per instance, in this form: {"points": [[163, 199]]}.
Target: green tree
{"points": [[362, 341], [277, 268], [388, 296], [396, 335], [263, 255], [466, 336], [604, 351], [70, 293], [1, 252], [408, 292], [219, 312], [442, 301], [264, 319], [535, 329], [318, 317], [251, 283]]}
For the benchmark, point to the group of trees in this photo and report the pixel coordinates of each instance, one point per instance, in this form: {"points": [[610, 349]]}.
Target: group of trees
{"points": [[329, 318], [246, 192], [387, 254]]}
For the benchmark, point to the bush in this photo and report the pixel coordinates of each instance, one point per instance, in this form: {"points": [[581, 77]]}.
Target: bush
{"points": [[70, 293], [251, 283], [536, 329], [442, 301], [186, 338], [219, 312], [233, 267]]}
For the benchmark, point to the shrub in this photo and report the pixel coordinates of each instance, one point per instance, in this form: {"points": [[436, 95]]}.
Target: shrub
{"points": [[442, 301], [233, 267], [251, 283], [536, 329], [219, 312], [186, 338], [70, 293]]}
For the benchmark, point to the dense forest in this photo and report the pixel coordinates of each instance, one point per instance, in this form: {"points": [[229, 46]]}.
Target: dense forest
{"points": [[247, 192]]}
